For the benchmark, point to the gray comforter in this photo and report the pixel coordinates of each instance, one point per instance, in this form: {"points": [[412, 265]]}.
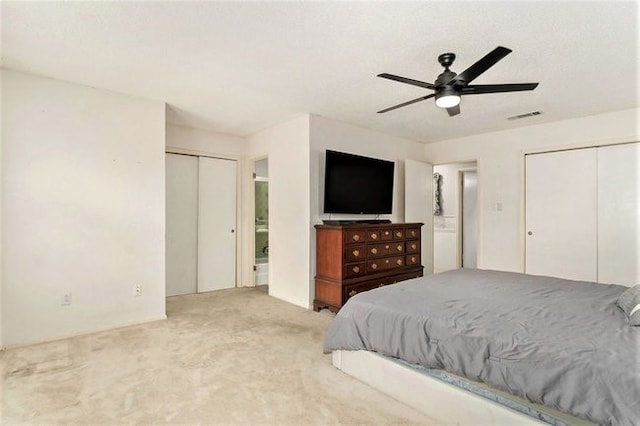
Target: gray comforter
{"points": [[556, 342]]}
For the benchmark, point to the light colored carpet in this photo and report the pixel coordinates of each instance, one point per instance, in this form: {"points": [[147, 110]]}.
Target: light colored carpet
{"points": [[226, 357]]}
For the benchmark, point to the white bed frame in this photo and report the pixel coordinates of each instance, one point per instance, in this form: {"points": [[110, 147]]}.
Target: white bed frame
{"points": [[439, 400]]}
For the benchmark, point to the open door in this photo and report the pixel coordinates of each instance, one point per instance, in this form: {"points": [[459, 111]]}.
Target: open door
{"points": [[468, 218], [418, 205]]}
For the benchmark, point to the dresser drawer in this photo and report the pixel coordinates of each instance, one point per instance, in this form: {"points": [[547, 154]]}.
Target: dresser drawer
{"points": [[413, 233], [352, 290], [374, 235], [413, 259], [355, 253], [386, 234], [384, 249], [385, 264], [352, 270], [355, 236], [399, 234], [413, 246]]}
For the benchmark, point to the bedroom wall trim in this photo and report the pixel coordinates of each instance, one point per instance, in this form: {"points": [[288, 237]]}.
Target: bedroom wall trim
{"points": [[199, 153], [83, 333]]}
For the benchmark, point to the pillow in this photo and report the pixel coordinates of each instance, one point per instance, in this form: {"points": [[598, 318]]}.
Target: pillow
{"points": [[629, 302]]}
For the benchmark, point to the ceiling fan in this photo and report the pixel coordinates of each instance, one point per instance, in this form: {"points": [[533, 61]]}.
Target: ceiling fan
{"points": [[449, 86]]}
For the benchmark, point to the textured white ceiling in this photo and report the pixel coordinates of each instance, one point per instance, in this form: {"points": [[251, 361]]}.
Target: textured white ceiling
{"points": [[239, 67]]}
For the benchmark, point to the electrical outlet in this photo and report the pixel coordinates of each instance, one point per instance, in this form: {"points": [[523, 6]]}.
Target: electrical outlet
{"points": [[66, 299], [137, 290]]}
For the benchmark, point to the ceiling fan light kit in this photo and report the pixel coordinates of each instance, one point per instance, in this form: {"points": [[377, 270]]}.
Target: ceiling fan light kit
{"points": [[447, 98], [449, 86]]}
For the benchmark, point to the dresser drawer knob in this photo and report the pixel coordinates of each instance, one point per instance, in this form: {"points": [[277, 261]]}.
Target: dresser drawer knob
{"points": [[399, 262], [387, 246], [399, 234], [386, 233], [356, 237], [374, 236], [374, 266], [352, 293], [413, 246], [356, 253], [399, 248], [356, 269], [413, 259], [386, 261], [374, 250], [413, 233]]}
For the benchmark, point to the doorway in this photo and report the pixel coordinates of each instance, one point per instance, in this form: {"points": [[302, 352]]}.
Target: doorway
{"points": [[455, 216], [261, 222]]}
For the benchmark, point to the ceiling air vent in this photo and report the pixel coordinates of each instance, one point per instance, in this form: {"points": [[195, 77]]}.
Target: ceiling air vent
{"points": [[529, 114]]}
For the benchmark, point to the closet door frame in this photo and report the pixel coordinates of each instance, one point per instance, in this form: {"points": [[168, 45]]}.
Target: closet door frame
{"points": [[240, 166], [523, 183]]}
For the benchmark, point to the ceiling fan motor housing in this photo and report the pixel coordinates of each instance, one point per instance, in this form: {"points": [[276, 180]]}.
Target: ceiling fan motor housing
{"points": [[446, 59], [444, 78]]}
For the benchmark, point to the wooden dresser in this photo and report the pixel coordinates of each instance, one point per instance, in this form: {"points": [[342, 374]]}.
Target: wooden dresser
{"points": [[355, 258]]}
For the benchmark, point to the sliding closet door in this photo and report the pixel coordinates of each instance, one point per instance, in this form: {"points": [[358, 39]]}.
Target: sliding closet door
{"points": [[182, 223], [216, 224], [619, 214], [561, 214]]}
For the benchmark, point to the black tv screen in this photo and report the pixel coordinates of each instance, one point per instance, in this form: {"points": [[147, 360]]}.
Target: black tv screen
{"points": [[359, 185]]}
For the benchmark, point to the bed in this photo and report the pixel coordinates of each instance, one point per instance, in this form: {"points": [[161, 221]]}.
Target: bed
{"points": [[558, 343]]}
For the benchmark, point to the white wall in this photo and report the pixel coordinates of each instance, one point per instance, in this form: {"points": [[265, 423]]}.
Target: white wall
{"points": [[83, 212], [344, 137], [500, 158], [287, 147], [196, 141]]}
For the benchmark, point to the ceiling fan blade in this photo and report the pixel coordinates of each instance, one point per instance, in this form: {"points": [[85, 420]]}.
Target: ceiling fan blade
{"points": [[489, 60], [454, 110], [407, 80], [407, 103], [496, 88]]}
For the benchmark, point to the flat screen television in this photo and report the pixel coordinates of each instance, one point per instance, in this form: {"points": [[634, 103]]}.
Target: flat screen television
{"points": [[357, 185]]}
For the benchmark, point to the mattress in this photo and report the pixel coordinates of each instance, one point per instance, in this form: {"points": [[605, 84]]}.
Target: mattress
{"points": [[555, 342]]}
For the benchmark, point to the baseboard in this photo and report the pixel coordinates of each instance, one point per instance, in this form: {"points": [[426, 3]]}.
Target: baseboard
{"points": [[80, 334]]}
